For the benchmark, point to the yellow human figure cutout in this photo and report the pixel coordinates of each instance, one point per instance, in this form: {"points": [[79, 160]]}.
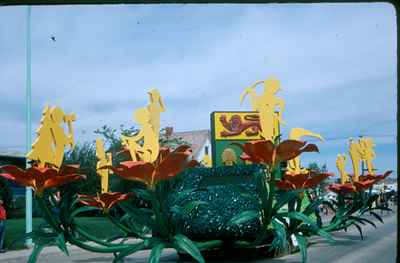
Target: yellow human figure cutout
{"points": [[42, 148], [355, 152], [341, 166], [294, 165], [368, 153], [48, 148], [104, 159], [265, 104], [60, 139], [155, 107], [148, 151]]}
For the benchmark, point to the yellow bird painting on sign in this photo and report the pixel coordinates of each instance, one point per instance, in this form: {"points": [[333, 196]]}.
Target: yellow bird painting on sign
{"points": [[265, 104], [104, 159]]}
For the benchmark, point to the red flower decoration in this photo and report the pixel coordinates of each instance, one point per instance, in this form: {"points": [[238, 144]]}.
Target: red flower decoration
{"points": [[267, 153], [377, 177], [365, 182], [105, 201], [167, 165], [41, 178], [301, 181], [342, 188]]}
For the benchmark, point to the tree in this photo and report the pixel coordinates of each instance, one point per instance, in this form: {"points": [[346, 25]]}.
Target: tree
{"points": [[320, 169]]}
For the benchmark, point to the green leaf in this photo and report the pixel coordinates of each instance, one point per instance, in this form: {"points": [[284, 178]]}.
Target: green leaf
{"points": [[285, 197], [208, 244], [280, 238], [156, 253], [302, 246], [60, 242], [37, 249], [359, 230], [183, 243], [377, 216], [126, 252], [143, 193], [81, 210], [244, 217], [362, 220]]}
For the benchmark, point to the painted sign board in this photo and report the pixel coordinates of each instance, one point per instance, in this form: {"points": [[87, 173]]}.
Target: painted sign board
{"points": [[229, 127]]}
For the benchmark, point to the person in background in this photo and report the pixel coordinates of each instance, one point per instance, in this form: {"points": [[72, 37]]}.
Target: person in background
{"points": [[3, 217]]}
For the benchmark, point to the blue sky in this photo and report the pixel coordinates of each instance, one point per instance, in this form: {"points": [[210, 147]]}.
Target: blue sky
{"points": [[336, 64]]}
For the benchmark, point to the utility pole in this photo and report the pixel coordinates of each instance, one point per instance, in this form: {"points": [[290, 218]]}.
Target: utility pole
{"points": [[28, 190]]}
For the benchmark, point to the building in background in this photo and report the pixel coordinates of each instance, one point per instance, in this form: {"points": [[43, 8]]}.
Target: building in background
{"points": [[14, 158], [200, 142]]}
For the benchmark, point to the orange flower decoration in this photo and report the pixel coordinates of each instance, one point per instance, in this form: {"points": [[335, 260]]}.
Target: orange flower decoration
{"points": [[41, 178], [365, 182], [167, 165], [105, 201], [267, 153], [377, 177], [342, 188], [301, 181]]}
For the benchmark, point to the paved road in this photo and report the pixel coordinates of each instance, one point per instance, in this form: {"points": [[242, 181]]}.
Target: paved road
{"points": [[379, 245]]}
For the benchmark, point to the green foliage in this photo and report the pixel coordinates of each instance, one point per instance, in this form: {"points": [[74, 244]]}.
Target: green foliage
{"points": [[6, 194], [218, 187], [85, 156], [321, 188]]}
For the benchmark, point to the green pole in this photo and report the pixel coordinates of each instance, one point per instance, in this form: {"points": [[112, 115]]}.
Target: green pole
{"points": [[28, 194]]}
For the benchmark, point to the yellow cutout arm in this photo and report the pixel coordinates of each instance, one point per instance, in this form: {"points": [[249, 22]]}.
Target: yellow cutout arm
{"points": [[294, 165], [341, 166], [103, 160], [355, 153]]}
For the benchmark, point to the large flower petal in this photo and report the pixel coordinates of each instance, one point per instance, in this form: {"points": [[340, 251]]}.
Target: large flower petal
{"points": [[115, 198], [290, 149], [364, 184], [285, 185], [59, 180], [342, 188], [316, 179], [17, 175], [297, 180], [173, 164], [135, 171]]}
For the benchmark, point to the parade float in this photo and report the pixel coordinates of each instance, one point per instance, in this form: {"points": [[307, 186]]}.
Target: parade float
{"points": [[255, 175]]}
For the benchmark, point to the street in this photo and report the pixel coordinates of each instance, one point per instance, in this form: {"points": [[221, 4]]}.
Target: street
{"points": [[379, 245]]}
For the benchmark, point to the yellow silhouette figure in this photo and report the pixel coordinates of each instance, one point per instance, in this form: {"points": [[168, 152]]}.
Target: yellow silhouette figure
{"points": [[104, 159], [341, 166], [356, 152], [148, 151], [265, 104], [368, 153], [294, 165], [229, 157], [48, 148], [155, 108], [145, 144]]}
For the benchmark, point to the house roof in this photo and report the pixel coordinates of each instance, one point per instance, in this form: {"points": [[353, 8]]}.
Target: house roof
{"points": [[12, 153], [196, 138]]}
